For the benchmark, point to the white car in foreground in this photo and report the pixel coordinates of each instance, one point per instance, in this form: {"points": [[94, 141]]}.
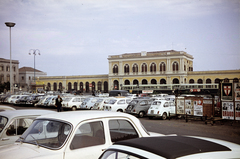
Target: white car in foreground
{"points": [[180, 147], [75, 134], [13, 123]]}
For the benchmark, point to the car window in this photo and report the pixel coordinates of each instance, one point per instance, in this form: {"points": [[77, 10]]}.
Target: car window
{"points": [[112, 101], [121, 130], [156, 103], [3, 122], [133, 102], [128, 101], [18, 126], [121, 102], [142, 103], [166, 104], [76, 100], [88, 134], [46, 133]]}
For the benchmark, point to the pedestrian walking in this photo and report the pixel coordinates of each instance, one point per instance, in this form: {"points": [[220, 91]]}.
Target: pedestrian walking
{"points": [[59, 103]]}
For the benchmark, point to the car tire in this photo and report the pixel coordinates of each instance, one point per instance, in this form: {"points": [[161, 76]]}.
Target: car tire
{"points": [[141, 114], [164, 116], [119, 110], [74, 108]]}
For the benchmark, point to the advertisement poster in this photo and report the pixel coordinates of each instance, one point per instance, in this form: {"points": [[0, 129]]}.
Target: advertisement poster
{"points": [[180, 106], [237, 110], [188, 107], [227, 91], [198, 107], [227, 110], [237, 91]]}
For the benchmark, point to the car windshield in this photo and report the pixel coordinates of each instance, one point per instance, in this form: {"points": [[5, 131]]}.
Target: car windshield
{"points": [[46, 133], [133, 102], [66, 99], [3, 122], [112, 101], [99, 100]]}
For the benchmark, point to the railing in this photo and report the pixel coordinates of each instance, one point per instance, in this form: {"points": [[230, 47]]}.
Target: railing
{"points": [[170, 86]]}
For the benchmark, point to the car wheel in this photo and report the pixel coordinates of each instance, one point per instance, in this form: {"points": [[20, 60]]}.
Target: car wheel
{"points": [[164, 116], [119, 110], [141, 114], [74, 108], [91, 108]]}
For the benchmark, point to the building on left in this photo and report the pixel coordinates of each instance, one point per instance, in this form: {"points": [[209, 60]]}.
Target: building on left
{"points": [[5, 71]]}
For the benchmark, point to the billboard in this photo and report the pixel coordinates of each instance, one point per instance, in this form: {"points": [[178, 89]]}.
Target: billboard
{"points": [[227, 110]]}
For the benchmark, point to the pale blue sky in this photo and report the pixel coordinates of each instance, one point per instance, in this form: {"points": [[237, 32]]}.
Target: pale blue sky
{"points": [[75, 37]]}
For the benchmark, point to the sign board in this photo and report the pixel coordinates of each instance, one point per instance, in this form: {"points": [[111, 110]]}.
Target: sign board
{"points": [[227, 110], [90, 84], [237, 91], [227, 91], [198, 107], [147, 91], [237, 110]]}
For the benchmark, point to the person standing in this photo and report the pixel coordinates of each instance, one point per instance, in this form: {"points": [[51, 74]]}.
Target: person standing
{"points": [[59, 103]]}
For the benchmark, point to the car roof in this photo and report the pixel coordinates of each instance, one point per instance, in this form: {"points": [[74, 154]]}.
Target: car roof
{"points": [[173, 146], [75, 117], [24, 112]]}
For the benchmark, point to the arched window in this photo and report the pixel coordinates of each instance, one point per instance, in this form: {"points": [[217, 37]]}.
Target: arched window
{"points": [[115, 85], [144, 81], [60, 86], [126, 82], [200, 81], [226, 80], [81, 86], [217, 80], [153, 67], [49, 86], [235, 80], [135, 68], [126, 68], [163, 81], [93, 86], [144, 67], [175, 66], [55, 86], [208, 81], [191, 81], [99, 85], [175, 81], [135, 82], [162, 67], [75, 86], [69, 86], [115, 69], [105, 87], [153, 81]]}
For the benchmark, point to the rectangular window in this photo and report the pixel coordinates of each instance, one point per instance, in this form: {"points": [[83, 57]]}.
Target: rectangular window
{"points": [[121, 130], [88, 134]]}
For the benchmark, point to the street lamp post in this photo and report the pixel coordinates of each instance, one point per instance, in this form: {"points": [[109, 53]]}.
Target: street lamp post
{"points": [[10, 24], [34, 54]]}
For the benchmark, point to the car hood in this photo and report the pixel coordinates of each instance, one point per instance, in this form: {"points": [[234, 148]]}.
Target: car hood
{"points": [[25, 151]]}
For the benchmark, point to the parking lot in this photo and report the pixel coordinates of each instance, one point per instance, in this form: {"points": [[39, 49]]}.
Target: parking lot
{"points": [[226, 130]]}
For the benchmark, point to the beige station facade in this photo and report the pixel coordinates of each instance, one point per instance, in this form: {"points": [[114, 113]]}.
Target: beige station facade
{"points": [[142, 69]]}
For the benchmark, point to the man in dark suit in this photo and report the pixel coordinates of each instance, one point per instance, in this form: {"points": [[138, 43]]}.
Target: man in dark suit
{"points": [[58, 103]]}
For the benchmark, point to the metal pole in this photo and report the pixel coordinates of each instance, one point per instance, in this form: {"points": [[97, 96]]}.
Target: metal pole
{"points": [[10, 63]]}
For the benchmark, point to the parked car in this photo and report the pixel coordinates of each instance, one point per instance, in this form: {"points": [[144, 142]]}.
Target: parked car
{"points": [[50, 101], [22, 100], [118, 104], [100, 102], [161, 108], [72, 103], [115, 93], [75, 134], [139, 107], [41, 101], [172, 147], [13, 123], [89, 102]]}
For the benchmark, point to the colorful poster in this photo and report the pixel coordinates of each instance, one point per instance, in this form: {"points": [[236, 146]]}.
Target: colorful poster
{"points": [[180, 105], [227, 91], [188, 107], [237, 91], [198, 107], [237, 110], [227, 110]]}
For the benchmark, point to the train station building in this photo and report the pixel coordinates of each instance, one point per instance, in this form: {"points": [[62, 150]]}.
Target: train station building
{"points": [[154, 72]]}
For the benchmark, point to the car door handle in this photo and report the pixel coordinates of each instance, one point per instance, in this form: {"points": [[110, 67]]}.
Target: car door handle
{"points": [[4, 139]]}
